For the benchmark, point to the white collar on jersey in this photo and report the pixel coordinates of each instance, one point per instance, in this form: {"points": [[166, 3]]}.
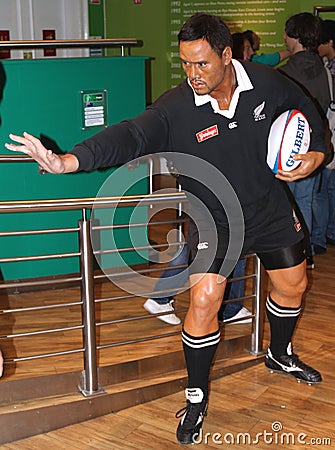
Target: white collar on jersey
{"points": [[243, 84]]}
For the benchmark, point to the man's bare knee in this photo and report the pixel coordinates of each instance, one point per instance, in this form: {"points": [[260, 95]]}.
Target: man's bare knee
{"points": [[206, 304], [291, 282]]}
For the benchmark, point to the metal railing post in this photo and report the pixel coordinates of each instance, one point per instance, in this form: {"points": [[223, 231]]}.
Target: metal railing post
{"points": [[90, 384], [259, 306]]}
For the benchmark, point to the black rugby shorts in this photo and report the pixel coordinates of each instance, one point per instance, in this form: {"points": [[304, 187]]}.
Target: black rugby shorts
{"points": [[272, 231]]}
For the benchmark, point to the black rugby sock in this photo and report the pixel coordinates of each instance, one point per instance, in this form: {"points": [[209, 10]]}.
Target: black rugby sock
{"points": [[283, 321], [199, 352]]}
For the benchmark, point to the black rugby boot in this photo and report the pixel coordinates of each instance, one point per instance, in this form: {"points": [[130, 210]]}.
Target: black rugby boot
{"points": [[192, 416], [290, 364]]}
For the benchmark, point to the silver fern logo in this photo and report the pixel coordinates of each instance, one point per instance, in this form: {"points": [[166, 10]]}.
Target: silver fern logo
{"points": [[258, 112]]}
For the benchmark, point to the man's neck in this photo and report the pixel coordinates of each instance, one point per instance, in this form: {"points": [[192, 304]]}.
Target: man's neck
{"points": [[331, 55], [297, 47], [224, 95]]}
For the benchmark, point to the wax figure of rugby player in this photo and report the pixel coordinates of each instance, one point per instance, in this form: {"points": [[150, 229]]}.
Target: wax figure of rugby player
{"points": [[238, 101]]}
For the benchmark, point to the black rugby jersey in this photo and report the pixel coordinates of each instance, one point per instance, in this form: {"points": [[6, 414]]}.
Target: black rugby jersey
{"points": [[236, 146]]}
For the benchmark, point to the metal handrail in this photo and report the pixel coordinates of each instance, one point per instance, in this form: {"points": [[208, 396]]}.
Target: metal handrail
{"points": [[90, 384], [67, 43], [87, 202], [71, 43], [15, 157]]}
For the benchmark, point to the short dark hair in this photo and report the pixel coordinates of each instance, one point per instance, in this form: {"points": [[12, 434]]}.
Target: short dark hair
{"points": [[208, 27], [238, 45], [248, 34], [306, 28], [327, 31]]}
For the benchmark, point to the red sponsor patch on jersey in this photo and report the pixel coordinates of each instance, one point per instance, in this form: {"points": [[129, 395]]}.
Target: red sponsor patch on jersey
{"points": [[207, 133]]}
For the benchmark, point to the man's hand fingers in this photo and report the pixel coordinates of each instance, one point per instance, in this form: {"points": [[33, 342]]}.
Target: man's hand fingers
{"points": [[17, 148], [26, 147], [30, 138], [33, 147], [309, 162]]}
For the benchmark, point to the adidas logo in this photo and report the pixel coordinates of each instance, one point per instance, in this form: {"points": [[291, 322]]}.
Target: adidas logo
{"points": [[202, 245]]}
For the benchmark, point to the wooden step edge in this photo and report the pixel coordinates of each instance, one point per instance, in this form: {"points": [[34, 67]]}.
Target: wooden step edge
{"points": [[17, 391], [53, 413], [220, 368]]}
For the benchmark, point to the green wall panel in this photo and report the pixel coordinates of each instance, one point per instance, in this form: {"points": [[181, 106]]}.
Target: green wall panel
{"points": [[43, 97], [157, 21], [96, 19], [145, 22]]}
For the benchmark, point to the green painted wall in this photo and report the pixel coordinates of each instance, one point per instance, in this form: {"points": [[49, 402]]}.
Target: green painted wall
{"points": [[146, 22], [151, 22], [96, 19], [44, 98]]}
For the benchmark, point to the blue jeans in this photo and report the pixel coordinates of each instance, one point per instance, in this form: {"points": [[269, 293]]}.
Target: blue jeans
{"points": [[324, 208], [233, 290], [180, 277], [302, 191]]}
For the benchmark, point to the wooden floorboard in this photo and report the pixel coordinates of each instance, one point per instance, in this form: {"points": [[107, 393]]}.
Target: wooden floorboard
{"points": [[254, 402]]}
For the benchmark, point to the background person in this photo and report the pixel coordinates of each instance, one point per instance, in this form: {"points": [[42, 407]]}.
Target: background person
{"points": [[242, 48], [327, 43], [164, 304], [1, 364], [218, 91], [304, 67], [323, 203], [269, 59]]}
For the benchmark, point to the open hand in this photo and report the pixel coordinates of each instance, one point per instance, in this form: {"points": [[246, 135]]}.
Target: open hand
{"points": [[46, 159]]}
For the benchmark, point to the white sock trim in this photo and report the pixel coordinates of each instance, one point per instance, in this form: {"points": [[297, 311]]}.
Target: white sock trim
{"points": [[206, 341], [280, 311]]}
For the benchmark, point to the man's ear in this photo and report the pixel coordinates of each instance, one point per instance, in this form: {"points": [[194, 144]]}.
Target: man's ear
{"points": [[227, 55]]}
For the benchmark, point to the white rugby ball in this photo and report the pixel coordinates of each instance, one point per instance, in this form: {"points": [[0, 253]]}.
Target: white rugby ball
{"points": [[289, 135]]}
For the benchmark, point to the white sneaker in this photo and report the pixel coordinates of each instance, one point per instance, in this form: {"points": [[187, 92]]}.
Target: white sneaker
{"points": [[154, 308], [243, 312], [1, 364]]}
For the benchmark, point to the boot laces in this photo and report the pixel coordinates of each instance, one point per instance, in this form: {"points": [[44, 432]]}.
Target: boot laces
{"points": [[192, 412]]}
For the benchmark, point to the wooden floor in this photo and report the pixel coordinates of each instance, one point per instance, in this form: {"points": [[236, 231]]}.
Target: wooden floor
{"points": [[270, 410]]}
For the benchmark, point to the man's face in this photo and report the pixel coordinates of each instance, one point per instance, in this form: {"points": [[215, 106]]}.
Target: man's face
{"points": [[204, 68], [327, 50], [247, 50], [290, 42], [323, 49], [257, 41]]}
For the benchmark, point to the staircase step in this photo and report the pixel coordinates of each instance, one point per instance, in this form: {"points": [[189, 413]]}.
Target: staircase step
{"points": [[19, 420]]}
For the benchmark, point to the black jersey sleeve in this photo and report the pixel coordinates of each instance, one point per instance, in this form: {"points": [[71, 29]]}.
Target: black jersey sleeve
{"points": [[123, 142]]}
